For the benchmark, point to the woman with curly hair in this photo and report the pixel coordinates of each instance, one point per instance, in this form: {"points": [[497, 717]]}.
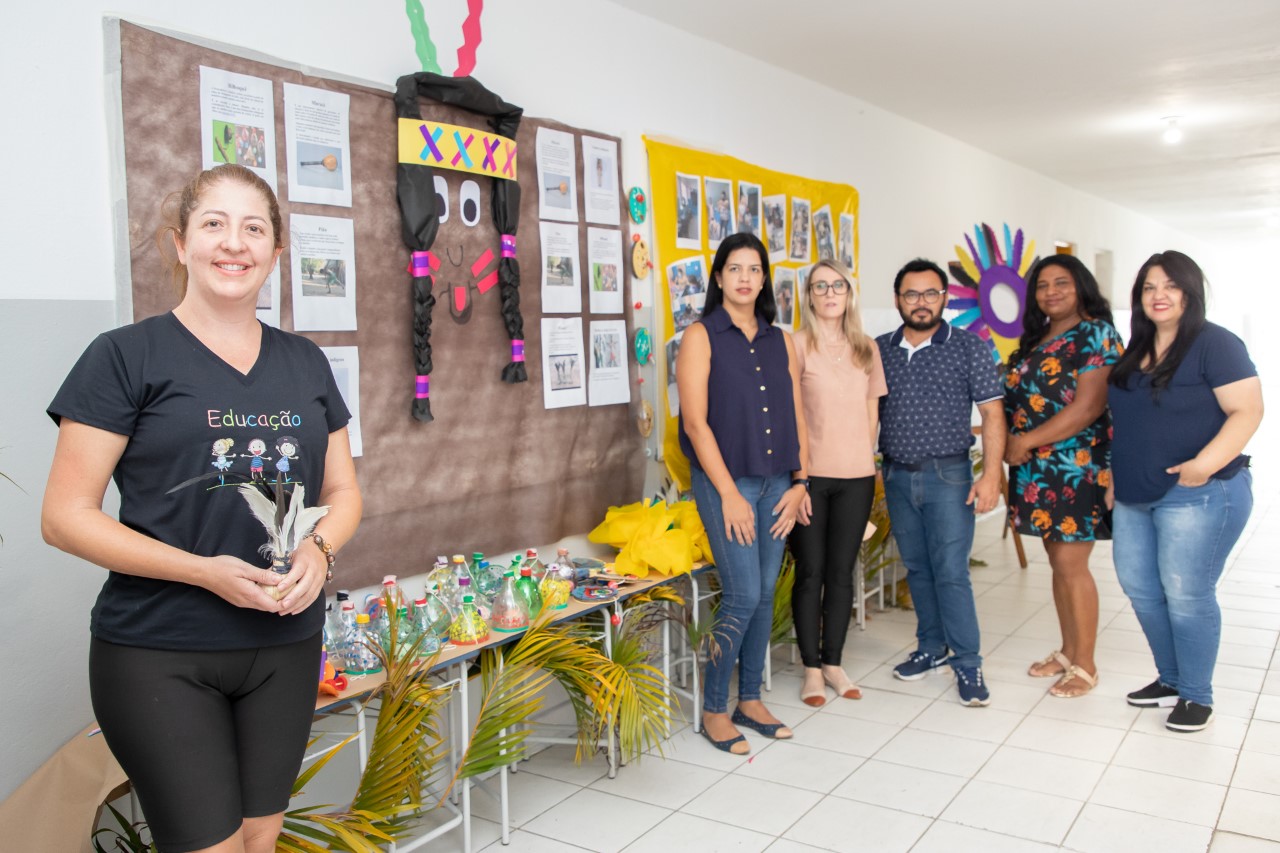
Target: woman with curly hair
{"points": [[1058, 450]]}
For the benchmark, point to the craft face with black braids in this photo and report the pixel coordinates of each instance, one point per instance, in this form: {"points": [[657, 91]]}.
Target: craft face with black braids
{"points": [[426, 196]]}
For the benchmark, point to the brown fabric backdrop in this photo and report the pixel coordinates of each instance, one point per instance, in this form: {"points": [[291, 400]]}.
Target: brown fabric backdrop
{"points": [[495, 471]]}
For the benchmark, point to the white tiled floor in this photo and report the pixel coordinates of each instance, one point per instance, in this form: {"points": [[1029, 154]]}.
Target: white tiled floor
{"points": [[908, 768]]}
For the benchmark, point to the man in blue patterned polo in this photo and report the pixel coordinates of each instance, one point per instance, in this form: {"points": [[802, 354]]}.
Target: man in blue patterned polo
{"points": [[936, 373]]}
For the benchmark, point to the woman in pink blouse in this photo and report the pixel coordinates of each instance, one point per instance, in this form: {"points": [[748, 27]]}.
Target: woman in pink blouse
{"points": [[841, 383]]}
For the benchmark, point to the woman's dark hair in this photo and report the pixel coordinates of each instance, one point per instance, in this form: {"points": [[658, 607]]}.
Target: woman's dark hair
{"points": [[1090, 302], [1189, 278], [766, 306]]}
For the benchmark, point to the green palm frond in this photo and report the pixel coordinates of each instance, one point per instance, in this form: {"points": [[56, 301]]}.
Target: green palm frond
{"points": [[782, 618], [642, 713]]}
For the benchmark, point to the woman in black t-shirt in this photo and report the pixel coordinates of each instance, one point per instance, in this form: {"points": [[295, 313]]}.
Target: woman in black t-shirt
{"points": [[1185, 400], [203, 683]]}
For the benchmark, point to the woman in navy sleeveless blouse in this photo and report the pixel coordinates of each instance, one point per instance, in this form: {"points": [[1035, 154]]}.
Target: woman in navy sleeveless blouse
{"points": [[742, 428], [1185, 400]]}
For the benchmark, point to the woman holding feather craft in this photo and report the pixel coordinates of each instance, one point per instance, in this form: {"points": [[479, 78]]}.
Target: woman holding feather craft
{"points": [[203, 664]]}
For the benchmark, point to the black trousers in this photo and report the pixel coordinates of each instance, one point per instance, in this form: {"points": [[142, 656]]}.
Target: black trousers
{"points": [[826, 552]]}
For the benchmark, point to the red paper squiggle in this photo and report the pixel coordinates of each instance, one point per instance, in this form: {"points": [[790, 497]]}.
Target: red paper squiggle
{"points": [[470, 39]]}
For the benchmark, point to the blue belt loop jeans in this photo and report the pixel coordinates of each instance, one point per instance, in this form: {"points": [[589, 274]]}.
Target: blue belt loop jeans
{"points": [[748, 575], [933, 527], [1169, 555]]}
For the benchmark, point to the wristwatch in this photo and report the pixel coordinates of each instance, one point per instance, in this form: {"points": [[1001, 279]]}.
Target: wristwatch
{"points": [[801, 481]]}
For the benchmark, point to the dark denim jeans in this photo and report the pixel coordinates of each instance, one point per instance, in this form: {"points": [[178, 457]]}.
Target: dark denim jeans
{"points": [[934, 530], [1169, 555], [748, 575]]}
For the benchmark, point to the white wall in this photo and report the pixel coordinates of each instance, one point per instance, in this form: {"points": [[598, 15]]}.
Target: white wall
{"points": [[587, 63]]}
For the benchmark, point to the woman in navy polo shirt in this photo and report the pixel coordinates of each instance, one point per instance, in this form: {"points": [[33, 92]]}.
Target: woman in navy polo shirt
{"points": [[742, 428], [1185, 399]]}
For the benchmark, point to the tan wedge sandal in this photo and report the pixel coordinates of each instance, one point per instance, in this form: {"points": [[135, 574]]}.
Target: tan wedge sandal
{"points": [[1036, 669]]}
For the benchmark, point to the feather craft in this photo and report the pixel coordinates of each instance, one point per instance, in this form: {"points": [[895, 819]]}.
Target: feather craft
{"points": [[286, 519]]}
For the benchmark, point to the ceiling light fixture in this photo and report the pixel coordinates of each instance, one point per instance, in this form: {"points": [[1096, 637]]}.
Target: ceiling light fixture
{"points": [[1172, 133]]}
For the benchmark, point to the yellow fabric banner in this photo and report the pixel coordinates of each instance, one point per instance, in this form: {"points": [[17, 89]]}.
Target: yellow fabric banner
{"points": [[462, 149], [698, 198]]}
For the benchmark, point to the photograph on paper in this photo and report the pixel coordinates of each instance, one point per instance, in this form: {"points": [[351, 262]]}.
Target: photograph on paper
{"points": [[687, 284], [557, 175], [318, 145], [561, 278], [802, 289], [600, 177], [784, 293], [604, 265], [846, 241], [563, 361], [823, 234], [749, 208], [799, 231], [775, 227], [673, 392], [237, 122], [607, 380], [688, 211], [720, 219], [323, 268], [345, 364]]}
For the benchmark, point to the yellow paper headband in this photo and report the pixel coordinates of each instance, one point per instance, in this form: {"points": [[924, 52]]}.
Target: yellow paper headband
{"points": [[462, 149]]}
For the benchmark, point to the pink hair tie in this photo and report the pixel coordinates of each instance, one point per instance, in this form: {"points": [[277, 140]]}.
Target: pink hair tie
{"points": [[422, 387], [517, 350], [508, 245], [423, 264]]}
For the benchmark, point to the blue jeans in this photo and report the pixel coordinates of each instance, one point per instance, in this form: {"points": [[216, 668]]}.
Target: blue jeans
{"points": [[1169, 555], [748, 575], [934, 530]]}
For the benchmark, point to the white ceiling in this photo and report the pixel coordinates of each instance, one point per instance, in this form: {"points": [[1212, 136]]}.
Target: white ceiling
{"points": [[1073, 90]]}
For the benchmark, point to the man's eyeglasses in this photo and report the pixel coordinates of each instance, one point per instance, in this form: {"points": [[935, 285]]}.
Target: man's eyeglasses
{"points": [[911, 297], [821, 287]]}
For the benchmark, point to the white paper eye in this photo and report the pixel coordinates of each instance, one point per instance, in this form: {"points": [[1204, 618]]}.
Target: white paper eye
{"points": [[442, 199], [469, 202]]}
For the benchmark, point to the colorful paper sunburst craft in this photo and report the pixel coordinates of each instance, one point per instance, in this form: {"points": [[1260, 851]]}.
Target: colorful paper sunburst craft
{"points": [[978, 272]]}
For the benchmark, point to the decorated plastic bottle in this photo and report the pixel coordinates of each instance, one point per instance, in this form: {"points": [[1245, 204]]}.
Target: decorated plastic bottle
{"points": [[347, 637], [425, 632], [390, 587], [564, 566], [439, 576], [362, 660], [439, 613], [509, 612], [528, 593], [531, 561], [477, 558], [487, 580], [468, 626], [458, 565], [555, 591]]}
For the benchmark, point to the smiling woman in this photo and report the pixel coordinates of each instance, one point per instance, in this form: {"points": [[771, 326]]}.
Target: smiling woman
{"points": [[194, 642]]}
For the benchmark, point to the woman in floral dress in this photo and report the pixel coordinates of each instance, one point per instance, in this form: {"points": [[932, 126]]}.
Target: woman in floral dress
{"points": [[1059, 449]]}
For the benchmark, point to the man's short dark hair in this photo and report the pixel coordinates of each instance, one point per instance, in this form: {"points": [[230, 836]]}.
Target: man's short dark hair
{"points": [[919, 265]]}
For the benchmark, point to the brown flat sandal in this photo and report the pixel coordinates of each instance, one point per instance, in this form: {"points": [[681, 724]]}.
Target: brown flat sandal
{"points": [[1053, 657]]}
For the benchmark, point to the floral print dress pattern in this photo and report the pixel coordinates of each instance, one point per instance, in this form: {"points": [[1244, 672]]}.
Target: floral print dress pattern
{"points": [[1058, 494]]}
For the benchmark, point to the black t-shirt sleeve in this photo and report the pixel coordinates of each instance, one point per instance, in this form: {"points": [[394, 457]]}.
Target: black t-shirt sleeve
{"points": [[99, 391]]}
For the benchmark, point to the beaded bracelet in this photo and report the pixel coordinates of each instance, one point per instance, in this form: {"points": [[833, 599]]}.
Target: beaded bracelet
{"points": [[327, 550]]}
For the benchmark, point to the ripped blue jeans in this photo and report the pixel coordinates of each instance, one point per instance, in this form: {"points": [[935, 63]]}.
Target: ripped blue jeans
{"points": [[1169, 555]]}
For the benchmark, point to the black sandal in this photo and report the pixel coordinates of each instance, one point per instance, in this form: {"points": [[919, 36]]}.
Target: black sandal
{"points": [[767, 729], [724, 745]]}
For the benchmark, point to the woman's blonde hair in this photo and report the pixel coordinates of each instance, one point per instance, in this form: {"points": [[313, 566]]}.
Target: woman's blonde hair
{"points": [[177, 207], [859, 341]]}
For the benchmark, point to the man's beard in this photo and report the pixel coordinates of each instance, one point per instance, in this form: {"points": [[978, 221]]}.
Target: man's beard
{"points": [[910, 322]]}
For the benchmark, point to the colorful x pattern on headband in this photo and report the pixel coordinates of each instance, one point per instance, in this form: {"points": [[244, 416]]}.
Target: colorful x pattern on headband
{"points": [[451, 147]]}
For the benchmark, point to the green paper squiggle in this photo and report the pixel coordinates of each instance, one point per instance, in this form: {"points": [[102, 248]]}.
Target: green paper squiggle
{"points": [[422, 43]]}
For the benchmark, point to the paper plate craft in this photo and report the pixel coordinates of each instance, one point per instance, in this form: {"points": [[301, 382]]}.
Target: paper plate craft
{"points": [[637, 205], [643, 346], [640, 263], [425, 148]]}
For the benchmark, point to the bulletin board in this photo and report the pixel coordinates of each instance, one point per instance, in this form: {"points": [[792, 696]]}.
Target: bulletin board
{"points": [[495, 471], [799, 220]]}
